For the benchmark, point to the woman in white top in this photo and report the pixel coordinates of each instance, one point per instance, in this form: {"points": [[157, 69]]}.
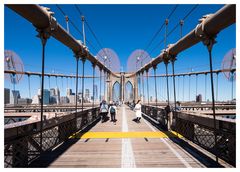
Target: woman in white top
{"points": [[138, 110]]}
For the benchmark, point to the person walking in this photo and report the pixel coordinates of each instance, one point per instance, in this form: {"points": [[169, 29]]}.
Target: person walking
{"points": [[113, 110], [138, 110], [103, 110]]}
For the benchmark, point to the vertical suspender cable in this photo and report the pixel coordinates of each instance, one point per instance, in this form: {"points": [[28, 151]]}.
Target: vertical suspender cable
{"points": [[166, 67], [93, 65], [174, 89], [147, 86], [178, 88], [56, 81], [43, 36], [62, 83], [104, 84], [217, 88], [143, 86], [155, 80], [100, 94], [232, 79], [213, 99], [83, 76], [196, 85], [189, 87], [49, 82], [83, 59], [67, 82], [29, 87], [76, 96], [206, 87]]}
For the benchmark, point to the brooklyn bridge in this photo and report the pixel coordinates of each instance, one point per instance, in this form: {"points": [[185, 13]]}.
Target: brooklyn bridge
{"points": [[187, 119]]}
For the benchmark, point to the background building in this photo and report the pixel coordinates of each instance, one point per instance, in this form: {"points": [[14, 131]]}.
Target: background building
{"points": [[6, 95], [46, 96], [14, 97], [87, 95]]}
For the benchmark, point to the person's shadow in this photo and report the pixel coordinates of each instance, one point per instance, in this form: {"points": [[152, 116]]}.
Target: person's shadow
{"points": [[106, 119], [135, 120]]}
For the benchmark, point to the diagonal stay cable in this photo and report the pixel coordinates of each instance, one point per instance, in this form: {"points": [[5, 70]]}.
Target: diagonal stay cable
{"points": [[91, 30], [159, 30], [73, 24], [174, 28]]}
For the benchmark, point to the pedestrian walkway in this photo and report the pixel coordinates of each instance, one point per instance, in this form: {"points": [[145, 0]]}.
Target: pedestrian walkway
{"points": [[126, 144]]}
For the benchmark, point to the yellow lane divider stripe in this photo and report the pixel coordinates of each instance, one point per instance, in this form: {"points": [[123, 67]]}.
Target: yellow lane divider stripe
{"points": [[103, 135]]}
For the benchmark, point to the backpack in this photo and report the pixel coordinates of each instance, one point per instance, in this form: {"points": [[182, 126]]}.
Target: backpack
{"points": [[112, 109], [103, 108]]}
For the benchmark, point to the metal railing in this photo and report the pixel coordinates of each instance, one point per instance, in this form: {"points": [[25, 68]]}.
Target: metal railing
{"points": [[200, 130], [158, 114], [22, 142]]}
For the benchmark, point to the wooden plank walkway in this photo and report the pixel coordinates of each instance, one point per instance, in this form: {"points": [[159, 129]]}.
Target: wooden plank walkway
{"points": [[109, 151]]}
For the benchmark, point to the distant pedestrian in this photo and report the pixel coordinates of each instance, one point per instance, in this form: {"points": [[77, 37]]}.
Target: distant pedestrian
{"points": [[112, 111], [103, 110], [138, 110]]}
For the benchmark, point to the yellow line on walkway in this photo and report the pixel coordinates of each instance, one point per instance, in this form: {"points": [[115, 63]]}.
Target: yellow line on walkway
{"points": [[147, 134]]}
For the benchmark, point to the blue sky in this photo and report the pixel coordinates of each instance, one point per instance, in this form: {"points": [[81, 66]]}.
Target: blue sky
{"points": [[123, 28]]}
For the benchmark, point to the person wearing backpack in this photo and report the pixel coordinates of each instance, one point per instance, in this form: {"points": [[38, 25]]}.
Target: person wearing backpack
{"points": [[103, 110], [112, 111]]}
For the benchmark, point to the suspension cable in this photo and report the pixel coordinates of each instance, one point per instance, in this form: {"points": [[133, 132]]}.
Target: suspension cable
{"points": [[174, 28], [75, 27], [159, 30], [196, 84], [91, 30]]}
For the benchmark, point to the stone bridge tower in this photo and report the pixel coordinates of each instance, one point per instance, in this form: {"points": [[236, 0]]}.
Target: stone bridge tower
{"points": [[122, 78]]}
